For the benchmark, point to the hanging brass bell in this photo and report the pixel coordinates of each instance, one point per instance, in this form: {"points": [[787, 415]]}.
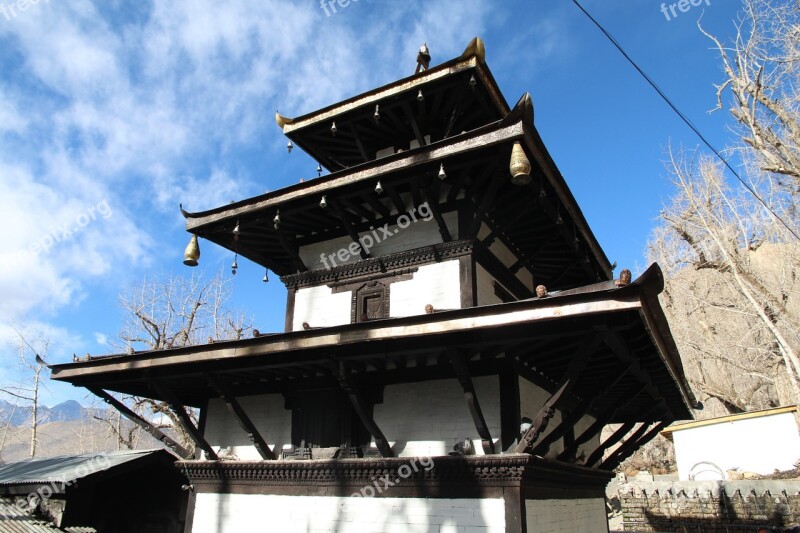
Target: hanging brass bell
{"points": [[192, 252], [520, 166]]}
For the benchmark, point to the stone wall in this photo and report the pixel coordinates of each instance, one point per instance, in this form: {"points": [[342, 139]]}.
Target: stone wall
{"points": [[710, 506]]}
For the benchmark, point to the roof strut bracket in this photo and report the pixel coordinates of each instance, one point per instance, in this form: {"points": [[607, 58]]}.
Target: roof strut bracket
{"points": [[241, 417], [462, 373], [645, 414], [340, 214], [359, 406], [633, 444], [141, 422], [547, 411], [184, 418]]}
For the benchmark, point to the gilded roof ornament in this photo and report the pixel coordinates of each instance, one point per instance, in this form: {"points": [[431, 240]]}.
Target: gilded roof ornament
{"points": [[282, 121], [475, 48]]}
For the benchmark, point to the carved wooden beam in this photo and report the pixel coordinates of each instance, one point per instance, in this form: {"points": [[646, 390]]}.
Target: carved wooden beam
{"points": [[292, 251], [577, 413], [342, 216], [241, 417], [433, 205], [619, 346], [184, 418], [141, 422], [462, 373], [609, 442], [396, 200], [597, 427], [576, 366], [359, 406], [629, 447], [359, 143], [487, 198], [413, 120]]}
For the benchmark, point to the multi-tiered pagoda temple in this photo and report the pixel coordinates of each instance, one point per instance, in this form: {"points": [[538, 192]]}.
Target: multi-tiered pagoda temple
{"points": [[455, 338]]}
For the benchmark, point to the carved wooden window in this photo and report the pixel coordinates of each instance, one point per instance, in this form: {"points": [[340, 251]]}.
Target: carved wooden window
{"points": [[370, 302]]}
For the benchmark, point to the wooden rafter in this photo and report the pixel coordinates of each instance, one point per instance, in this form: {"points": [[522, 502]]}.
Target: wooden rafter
{"points": [[465, 379], [141, 422], [241, 417], [433, 205], [291, 251], [337, 209], [184, 418], [630, 446], [347, 385], [359, 142], [610, 441], [568, 381]]}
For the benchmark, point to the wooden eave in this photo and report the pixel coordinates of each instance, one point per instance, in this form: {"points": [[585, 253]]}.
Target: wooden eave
{"points": [[473, 161], [539, 336], [447, 92]]}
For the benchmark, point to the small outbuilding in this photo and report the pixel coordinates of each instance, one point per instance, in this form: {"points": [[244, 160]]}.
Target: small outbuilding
{"points": [[758, 441], [125, 491]]}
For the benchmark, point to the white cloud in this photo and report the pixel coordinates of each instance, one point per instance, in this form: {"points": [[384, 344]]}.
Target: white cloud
{"points": [[156, 109]]}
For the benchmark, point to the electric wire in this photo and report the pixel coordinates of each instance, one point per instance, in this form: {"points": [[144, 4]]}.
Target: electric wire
{"points": [[686, 120]]}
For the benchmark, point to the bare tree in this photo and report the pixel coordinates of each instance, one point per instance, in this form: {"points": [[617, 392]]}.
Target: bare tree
{"points": [[735, 311], [28, 393], [762, 70], [170, 312]]}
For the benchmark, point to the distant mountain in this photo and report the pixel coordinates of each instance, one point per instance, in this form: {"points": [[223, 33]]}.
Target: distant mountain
{"points": [[69, 411]]}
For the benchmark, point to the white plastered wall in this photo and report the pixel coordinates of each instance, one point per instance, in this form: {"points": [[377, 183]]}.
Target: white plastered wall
{"points": [[427, 419], [267, 413], [437, 284], [573, 515], [761, 445], [237, 513], [321, 307]]}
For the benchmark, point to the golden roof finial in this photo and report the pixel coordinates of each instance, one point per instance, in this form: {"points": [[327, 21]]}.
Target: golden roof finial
{"points": [[282, 121], [475, 48]]}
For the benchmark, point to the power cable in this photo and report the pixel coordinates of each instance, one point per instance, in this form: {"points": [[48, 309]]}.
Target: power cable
{"points": [[686, 119]]}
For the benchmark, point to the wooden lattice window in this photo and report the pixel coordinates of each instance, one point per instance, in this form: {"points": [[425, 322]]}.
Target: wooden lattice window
{"points": [[370, 302]]}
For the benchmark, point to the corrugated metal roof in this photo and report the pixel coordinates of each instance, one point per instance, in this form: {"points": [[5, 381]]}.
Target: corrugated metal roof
{"points": [[65, 468], [15, 520]]}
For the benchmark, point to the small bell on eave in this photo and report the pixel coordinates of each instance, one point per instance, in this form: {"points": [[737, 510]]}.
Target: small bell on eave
{"points": [[192, 252]]}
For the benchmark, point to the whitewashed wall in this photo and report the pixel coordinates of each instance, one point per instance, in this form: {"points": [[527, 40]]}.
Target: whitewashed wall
{"points": [[428, 419], [558, 516], [237, 513], [321, 308], [759, 445], [437, 284], [267, 413], [418, 234], [532, 398]]}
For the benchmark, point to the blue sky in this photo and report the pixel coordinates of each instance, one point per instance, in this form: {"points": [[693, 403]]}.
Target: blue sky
{"points": [[113, 112]]}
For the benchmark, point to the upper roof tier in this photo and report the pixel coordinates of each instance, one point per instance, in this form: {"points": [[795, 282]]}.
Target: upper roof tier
{"points": [[432, 105]]}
